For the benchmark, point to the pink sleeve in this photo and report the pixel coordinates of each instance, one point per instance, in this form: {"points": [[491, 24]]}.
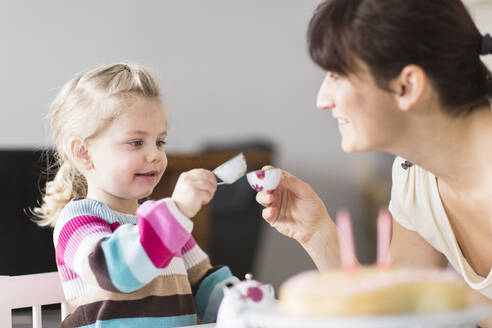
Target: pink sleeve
{"points": [[164, 230]]}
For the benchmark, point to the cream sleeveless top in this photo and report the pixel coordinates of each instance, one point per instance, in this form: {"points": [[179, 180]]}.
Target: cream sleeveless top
{"points": [[416, 205]]}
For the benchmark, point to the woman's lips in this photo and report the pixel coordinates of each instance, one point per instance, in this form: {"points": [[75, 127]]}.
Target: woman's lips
{"points": [[342, 121]]}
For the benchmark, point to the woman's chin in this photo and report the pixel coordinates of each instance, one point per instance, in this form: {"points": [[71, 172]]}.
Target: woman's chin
{"points": [[353, 147], [348, 147], [355, 150]]}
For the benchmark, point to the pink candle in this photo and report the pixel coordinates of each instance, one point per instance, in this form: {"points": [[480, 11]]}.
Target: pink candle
{"points": [[383, 259], [346, 242]]}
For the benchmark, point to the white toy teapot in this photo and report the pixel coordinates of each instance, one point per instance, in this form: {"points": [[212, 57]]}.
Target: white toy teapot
{"points": [[240, 298]]}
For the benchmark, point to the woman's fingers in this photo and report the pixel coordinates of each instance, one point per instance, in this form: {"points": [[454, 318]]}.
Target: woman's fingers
{"points": [[265, 198], [291, 182], [269, 214]]}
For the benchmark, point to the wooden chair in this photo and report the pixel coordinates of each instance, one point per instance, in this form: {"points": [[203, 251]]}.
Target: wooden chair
{"points": [[33, 290]]}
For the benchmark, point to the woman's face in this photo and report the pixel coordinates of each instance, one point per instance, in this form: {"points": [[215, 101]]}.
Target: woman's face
{"points": [[368, 117]]}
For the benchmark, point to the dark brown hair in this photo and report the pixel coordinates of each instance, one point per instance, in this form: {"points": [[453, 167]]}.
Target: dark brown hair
{"points": [[437, 35]]}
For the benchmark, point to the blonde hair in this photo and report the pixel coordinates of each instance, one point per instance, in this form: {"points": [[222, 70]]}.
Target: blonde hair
{"points": [[83, 107]]}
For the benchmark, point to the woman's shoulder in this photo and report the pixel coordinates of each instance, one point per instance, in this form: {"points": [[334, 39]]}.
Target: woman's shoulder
{"points": [[411, 193], [406, 176]]}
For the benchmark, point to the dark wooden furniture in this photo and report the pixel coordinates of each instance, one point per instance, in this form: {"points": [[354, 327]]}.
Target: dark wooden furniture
{"points": [[227, 229]]}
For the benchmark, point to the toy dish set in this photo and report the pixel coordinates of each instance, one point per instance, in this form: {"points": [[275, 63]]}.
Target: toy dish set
{"points": [[242, 298], [251, 304], [235, 168]]}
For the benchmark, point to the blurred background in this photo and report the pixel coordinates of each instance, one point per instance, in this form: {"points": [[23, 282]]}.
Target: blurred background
{"points": [[235, 75]]}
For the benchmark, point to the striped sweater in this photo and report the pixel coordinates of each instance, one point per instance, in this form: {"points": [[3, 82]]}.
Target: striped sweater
{"points": [[121, 270]]}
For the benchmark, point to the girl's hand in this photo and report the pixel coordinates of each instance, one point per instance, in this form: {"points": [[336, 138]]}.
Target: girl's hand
{"points": [[294, 209], [194, 189]]}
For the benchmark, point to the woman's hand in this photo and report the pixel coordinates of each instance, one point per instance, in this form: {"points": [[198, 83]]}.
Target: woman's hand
{"points": [[294, 209], [194, 189]]}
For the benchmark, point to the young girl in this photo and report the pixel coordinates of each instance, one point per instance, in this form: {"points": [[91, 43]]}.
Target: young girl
{"points": [[121, 264]]}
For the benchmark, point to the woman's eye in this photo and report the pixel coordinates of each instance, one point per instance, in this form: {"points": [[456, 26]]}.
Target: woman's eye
{"points": [[160, 143], [136, 143], [333, 76]]}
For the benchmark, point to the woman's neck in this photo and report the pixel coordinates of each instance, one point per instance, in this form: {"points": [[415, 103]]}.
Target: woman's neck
{"points": [[457, 151]]}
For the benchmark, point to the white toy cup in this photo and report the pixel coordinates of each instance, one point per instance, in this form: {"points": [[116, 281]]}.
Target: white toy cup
{"points": [[230, 171], [262, 180]]}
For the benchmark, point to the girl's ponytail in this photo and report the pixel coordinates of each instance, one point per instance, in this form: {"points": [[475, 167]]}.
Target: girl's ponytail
{"points": [[67, 184]]}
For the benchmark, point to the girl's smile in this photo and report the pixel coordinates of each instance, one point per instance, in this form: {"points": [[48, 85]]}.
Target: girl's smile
{"points": [[149, 176]]}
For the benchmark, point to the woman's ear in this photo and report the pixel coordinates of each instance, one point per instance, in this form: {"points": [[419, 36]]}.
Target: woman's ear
{"points": [[409, 86], [80, 154]]}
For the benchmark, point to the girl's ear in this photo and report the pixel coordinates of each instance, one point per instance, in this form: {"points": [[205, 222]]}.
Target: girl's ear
{"points": [[80, 154], [409, 86]]}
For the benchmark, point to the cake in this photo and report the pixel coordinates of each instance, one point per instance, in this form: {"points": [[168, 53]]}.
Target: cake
{"points": [[371, 291]]}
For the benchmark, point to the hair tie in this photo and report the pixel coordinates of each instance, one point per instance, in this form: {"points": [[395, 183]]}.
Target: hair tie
{"points": [[486, 45]]}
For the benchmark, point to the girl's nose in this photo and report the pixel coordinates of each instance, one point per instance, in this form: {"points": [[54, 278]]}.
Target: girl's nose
{"points": [[156, 155], [325, 100]]}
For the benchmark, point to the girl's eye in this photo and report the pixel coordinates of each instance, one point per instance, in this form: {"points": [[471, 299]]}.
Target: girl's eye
{"points": [[136, 143], [333, 76], [160, 143]]}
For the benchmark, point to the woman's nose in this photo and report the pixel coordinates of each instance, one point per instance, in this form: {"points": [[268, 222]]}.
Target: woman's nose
{"points": [[325, 99]]}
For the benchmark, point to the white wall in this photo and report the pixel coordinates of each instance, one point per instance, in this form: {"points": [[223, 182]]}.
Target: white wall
{"points": [[230, 71]]}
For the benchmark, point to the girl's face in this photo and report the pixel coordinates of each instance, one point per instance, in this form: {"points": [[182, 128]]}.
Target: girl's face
{"points": [[367, 115], [128, 156]]}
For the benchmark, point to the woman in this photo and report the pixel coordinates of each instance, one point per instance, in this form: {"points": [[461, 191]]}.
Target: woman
{"points": [[405, 77]]}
